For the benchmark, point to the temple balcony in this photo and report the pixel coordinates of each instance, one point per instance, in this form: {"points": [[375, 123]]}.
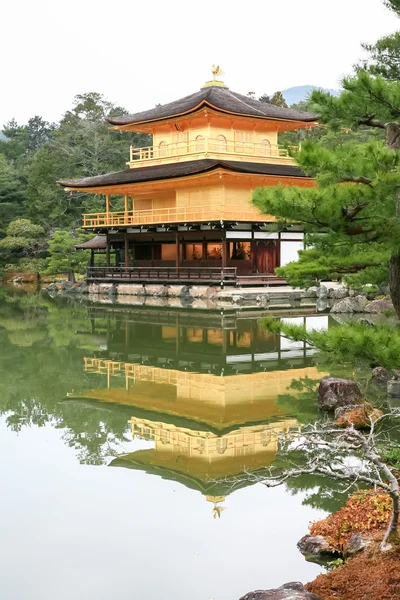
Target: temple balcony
{"points": [[205, 147], [163, 216]]}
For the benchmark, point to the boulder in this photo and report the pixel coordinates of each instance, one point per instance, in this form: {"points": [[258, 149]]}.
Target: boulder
{"points": [[314, 545], [175, 291], [262, 300], [66, 286], [356, 543], [334, 392], [379, 306], [156, 290], [322, 292], [310, 292], [93, 288], [199, 291], [360, 416], [393, 387], [338, 293], [350, 305], [289, 591], [321, 304], [342, 410], [130, 289], [185, 294], [237, 299], [380, 375], [52, 288], [107, 288]]}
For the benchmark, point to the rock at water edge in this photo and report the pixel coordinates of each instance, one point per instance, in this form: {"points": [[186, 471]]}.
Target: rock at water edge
{"points": [[334, 392]]}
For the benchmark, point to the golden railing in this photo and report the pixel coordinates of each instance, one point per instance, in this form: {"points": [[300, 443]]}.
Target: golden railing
{"points": [[162, 216], [206, 146]]}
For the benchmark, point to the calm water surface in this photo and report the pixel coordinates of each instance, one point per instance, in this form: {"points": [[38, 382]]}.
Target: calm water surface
{"points": [[125, 438]]}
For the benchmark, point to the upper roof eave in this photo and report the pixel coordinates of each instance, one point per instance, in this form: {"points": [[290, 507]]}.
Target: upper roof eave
{"points": [[220, 99]]}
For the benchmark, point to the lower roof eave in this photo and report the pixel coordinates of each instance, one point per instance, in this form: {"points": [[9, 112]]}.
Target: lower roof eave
{"points": [[123, 181]]}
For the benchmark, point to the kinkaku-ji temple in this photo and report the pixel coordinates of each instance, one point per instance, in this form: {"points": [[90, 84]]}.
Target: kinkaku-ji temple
{"points": [[204, 395], [187, 198]]}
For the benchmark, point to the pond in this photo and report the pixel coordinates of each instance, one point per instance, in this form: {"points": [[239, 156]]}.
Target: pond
{"points": [[126, 436]]}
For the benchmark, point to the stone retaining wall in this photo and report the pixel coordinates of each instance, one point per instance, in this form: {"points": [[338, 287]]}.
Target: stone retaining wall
{"points": [[202, 296]]}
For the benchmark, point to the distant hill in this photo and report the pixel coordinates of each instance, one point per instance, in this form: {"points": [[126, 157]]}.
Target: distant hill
{"points": [[3, 138], [299, 93]]}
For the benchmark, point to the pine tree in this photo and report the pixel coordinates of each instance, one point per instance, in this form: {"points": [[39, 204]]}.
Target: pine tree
{"points": [[352, 215]]}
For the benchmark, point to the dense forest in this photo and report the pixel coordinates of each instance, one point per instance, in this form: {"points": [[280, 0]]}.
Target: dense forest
{"points": [[39, 221]]}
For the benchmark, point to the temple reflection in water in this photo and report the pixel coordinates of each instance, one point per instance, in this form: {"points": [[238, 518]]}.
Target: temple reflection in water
{"points": [[203, 393]]}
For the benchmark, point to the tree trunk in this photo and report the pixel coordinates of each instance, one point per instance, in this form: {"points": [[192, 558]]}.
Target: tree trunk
{"points": [[393, 142], [71, 276], [392, 532], [394, 281]]}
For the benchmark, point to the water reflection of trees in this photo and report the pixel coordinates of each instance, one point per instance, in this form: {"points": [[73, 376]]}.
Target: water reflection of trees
{"points": [[41, 357], [43, 345]]}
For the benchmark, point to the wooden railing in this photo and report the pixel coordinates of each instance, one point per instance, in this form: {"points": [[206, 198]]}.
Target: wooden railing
{"points": [[216, 275], [161, 216], [206, 146]]}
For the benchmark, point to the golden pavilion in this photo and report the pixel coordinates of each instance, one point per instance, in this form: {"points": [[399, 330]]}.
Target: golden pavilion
{"points": [[187, 211]]}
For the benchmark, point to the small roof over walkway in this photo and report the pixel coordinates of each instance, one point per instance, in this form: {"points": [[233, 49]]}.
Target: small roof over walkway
{"points": [[96, 243]]}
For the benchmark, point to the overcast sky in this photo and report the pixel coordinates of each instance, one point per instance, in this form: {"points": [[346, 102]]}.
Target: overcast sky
{"points": [[142, 53]]}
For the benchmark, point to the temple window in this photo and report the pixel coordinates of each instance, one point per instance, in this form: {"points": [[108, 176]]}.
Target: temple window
{"points": [[200, 143], [220, 145], [214, 251], [193, 251], [244, 141], [265, 147], [239, 251], [162, 148]]}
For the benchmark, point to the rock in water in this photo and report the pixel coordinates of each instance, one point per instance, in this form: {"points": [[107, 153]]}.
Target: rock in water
{"points": [[314, 545], [350, 305], [379, 306], [380, 375], [360, 417], [334, 392], [289, 591]]}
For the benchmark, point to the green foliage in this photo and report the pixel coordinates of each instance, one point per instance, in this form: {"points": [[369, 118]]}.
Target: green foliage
{"points": [[392, 456], [23, 239], [350, 216], [384, 57], [36, 156], [63, 258], [378, 345], [12, 191]]}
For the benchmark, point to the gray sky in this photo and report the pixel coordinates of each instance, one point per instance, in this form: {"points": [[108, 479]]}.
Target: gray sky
{"points": [[141, 53]]}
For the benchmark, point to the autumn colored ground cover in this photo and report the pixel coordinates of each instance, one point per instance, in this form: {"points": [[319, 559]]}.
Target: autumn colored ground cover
{"points": [[365, 512], [371, 575]]}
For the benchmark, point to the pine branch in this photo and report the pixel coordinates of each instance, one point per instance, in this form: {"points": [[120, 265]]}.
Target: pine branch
{"points": [[361, 179], [370, 121]]}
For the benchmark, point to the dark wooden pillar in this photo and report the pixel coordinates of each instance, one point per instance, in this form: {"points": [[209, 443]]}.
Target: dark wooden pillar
{"points": [[126, 248], [224, 253], [108, 252], [177, 251]]}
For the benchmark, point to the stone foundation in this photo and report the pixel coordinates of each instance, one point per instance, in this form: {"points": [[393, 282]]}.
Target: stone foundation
{"points": [[205, 297]]}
